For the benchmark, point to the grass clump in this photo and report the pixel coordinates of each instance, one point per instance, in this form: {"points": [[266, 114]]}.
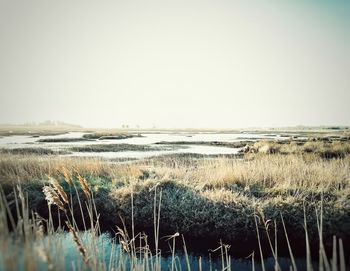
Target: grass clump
{"points": [[112, 148], [62, 140], [31, 151], [238, 144], [326, 148], [107, 135]]}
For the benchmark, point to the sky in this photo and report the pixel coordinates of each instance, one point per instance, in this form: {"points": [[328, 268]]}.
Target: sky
{"points": [[175, 64]]}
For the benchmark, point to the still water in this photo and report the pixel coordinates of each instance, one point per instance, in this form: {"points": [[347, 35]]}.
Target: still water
{"points": [[110, 255], [148, 139]]}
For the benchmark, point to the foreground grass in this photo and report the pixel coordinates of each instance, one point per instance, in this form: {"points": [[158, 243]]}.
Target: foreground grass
{"points": [[29, 242], [202, 198]]}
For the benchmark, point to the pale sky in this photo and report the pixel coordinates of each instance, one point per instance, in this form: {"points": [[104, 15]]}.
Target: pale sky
{"points": [[214, 64]]}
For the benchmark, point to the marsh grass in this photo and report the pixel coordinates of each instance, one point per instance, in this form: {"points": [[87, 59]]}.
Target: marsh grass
{"points": [[34, 243], [113, 148], [109, 135], [29, 245], [215, 198], [32, 151], [239, 201], [62, 140], [238, 144], [325, 147]]}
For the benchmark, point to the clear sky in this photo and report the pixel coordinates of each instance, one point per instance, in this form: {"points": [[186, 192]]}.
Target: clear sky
{"points": [[175, 63]]}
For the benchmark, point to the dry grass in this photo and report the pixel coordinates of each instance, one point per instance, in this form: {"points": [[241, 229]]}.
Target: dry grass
{"points": [[280, 172], [202, 197], [30, 167], [324, 147], [27, 248]]}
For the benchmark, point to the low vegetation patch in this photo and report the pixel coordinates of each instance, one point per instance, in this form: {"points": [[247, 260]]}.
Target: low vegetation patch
{"points": [[30, 151], [62, 140], [113, 148], [106, 135], [238, 144], [327, 147]]}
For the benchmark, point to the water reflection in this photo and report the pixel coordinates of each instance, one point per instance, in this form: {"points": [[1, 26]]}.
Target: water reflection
{"points": [[110, 255]]}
